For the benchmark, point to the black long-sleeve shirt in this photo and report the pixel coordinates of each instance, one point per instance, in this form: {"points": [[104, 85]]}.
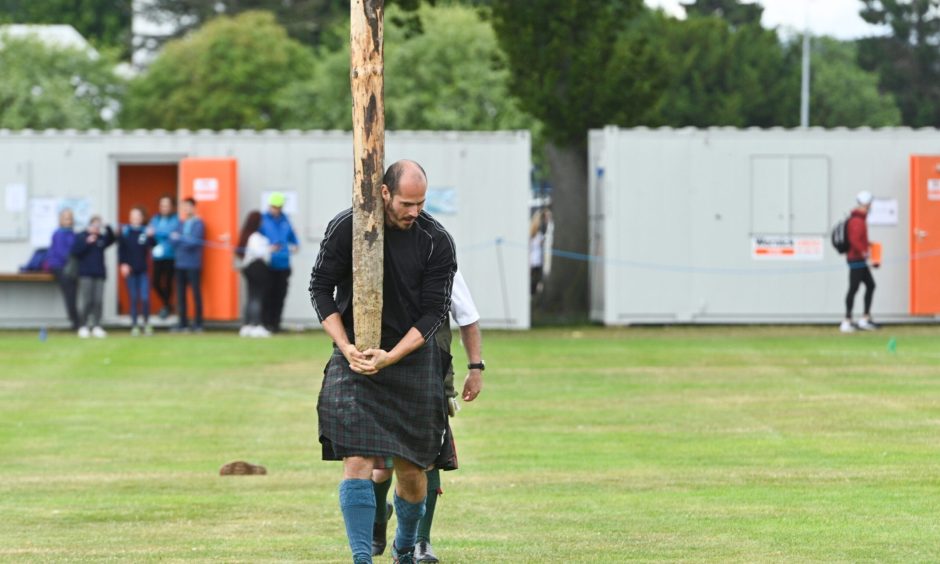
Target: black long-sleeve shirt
{"points": [[419, 268]]}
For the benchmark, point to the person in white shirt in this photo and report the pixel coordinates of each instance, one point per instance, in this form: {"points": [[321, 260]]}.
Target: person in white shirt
{"points": [[254, 253], [465, 314]]}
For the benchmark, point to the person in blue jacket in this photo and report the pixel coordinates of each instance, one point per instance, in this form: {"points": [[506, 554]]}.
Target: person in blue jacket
{"points": [[88, 248], [188, 241], [163, 254], [280, 234], [58, 257], [134, 246]]}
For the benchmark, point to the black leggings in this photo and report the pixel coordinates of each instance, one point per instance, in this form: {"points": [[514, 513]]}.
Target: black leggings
{"points": [[859, 274], [256, 274], [163, 272], [273, 304]]}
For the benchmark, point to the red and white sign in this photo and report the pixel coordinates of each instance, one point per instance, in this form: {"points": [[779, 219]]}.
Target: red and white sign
{"points": [[205, 189], [785, 247]]}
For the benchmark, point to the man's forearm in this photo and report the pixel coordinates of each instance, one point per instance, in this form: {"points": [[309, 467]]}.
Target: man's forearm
{"points": [[334, 327], [472, 342], [412, 341]]}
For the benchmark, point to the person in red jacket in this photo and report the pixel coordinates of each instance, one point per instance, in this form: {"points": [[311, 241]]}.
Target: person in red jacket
{"points": [[857, 234]]}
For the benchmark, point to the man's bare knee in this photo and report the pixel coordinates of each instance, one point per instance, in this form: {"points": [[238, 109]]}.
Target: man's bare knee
{"points": [[381, 475], [358, 467], [412, 483]]}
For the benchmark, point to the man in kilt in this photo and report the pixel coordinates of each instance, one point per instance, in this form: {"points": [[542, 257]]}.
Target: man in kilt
{"points": [[387, 402]]}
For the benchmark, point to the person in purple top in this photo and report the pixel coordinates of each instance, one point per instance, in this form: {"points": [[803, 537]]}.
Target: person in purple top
{"points": [[58, 257]]}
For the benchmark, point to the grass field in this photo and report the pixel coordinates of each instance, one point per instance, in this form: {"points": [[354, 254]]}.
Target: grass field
{"points": [[718, 444]]}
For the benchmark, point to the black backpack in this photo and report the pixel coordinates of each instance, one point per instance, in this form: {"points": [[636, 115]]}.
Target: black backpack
{"points": [[839, 236]]}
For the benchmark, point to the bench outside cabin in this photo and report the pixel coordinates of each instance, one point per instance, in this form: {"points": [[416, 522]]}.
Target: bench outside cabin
{"points": [[31, 299]]}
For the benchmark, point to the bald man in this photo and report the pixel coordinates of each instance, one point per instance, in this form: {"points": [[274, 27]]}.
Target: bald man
{"points": [[386, 403]]}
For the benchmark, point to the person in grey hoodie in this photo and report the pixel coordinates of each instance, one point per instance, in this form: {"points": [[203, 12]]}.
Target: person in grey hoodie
{"points": [[188, 241]]}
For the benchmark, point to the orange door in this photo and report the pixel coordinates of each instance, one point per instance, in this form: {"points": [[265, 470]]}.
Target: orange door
{"points": [[213, 183], [142, 185], [925, 235]]}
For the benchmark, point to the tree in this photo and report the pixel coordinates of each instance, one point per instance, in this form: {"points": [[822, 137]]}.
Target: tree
{"points": [[721, 74], [842, 93], [732, 11], [305, 20], [575, 66], [908, 60], [226, 75], [50, 87], [452, 76], [104, 23]]}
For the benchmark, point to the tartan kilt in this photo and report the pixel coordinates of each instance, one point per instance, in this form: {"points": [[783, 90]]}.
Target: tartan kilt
{"points": [[399, 412]]}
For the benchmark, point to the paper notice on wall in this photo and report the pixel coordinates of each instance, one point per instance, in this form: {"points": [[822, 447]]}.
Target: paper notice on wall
{"points": [[933, 189], [785, 247], [205, 189], [43, 221], [14, 198], [883, 212], [290, 201]]}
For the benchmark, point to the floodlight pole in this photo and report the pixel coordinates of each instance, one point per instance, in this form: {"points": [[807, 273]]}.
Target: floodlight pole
{"points": [[368, 209], [804, 91]]}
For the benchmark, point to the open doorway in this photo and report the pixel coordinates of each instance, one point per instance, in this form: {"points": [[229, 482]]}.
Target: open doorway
{"points": [[142, 185]]}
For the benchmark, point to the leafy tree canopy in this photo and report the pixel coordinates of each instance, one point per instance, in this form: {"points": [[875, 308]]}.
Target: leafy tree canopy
{"points": [[50, 87], [575, 65], [104, 23], [908, 59], [226, 75], [451, 76]]}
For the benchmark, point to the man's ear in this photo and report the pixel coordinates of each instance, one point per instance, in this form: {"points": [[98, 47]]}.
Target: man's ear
{"points": [[386, 195]]}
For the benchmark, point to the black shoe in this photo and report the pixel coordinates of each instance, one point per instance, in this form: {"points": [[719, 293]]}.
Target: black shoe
{"points": [[380, 531], [407, 557]]}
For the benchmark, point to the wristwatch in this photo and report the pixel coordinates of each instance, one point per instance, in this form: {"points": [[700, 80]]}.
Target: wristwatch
{"points": [[481, 366]]}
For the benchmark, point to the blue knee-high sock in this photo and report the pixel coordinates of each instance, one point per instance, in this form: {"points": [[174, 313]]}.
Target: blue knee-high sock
{"points": [[409, 514], [357, 501]]}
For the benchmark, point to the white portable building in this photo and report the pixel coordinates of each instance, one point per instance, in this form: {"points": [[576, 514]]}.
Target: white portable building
{"points": [[478, 188], [733, 226]]}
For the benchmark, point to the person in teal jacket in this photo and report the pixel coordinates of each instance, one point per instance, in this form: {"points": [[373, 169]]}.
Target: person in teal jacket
{"points": [[277, 228], [164, 254]]}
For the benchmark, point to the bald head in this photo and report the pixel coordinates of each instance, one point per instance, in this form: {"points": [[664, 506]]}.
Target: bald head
{"points": [[404, 189], [403, 171]]}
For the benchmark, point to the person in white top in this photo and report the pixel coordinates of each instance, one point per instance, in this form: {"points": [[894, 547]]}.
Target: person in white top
{"points": [[254, 253], [465, 314]]}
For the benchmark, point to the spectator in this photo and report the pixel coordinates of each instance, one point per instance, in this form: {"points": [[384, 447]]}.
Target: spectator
{"points": [[536, 252], [277, 228], [188, 241], [59, 256], [254, 252], [161, 226], [856, 229], [88, 248], [134, 247]]}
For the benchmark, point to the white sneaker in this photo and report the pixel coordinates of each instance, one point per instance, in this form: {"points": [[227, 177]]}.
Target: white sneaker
{"points": [[98, 333], [847, 327], [84, 333], [424, 553], [867, 325], [259, 332], [246, 331]]}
